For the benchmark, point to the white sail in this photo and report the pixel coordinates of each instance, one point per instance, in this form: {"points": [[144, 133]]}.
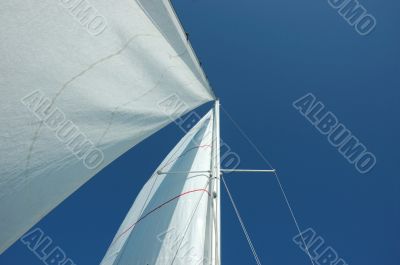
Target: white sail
{"points": [[169, 220], [81, 83]]}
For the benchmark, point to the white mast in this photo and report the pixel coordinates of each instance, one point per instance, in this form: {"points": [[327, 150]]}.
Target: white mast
{"points": [[215, 188]]}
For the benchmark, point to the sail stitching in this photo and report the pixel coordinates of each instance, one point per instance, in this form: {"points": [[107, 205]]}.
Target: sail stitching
{"points": [[158, 207], [116, 109], [63, 87]]}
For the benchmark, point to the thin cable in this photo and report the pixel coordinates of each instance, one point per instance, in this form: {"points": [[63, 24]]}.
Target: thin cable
{"points": [[276, 177], [241, 223], [189, 223]]}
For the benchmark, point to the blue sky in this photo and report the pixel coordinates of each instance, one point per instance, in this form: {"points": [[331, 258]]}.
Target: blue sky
{"points": [[260, 56]]}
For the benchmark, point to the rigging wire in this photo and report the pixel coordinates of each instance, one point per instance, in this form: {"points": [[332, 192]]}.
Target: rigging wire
{"points": [[241, 223], [276, 177]]}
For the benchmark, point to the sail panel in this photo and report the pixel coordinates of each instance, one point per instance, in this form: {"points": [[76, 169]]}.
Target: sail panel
{"points": [[82, 82], [168, 222], [163, 16]]}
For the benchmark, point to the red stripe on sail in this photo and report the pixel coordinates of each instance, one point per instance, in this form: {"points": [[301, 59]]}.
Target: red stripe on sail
{"points": [[158, 207]]}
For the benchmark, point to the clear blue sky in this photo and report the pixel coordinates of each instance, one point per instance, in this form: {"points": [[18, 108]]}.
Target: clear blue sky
{"points": [[260, 56]]}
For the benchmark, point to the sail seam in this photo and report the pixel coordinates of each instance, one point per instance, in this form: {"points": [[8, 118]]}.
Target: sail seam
{"points": [[187, 151], [63, 87]]}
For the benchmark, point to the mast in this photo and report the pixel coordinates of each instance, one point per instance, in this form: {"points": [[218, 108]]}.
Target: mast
{"points": [[216, 188]]}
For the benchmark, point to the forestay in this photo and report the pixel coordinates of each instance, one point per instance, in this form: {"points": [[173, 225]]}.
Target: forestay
{"points": [[168, 222], [81, 83]]}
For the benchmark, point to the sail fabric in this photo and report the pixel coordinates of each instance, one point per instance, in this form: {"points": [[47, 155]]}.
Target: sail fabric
{"points": [[168, 222], [81, 83], [157, 10]]}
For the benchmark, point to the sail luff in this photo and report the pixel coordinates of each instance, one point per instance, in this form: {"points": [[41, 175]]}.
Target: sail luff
{"points": [[173, 20], [190, 48]]}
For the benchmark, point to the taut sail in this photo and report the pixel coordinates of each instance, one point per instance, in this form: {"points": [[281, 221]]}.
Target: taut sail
{"points": [[169, 222], [81, 84]]}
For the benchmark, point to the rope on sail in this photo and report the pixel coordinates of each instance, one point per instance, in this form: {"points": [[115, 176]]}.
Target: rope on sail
{"points": [[276, 177], [241, 223]]}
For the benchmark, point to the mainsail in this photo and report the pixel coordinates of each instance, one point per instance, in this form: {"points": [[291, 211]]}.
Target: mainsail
{"points": [[170, 221], [81, 84]]}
